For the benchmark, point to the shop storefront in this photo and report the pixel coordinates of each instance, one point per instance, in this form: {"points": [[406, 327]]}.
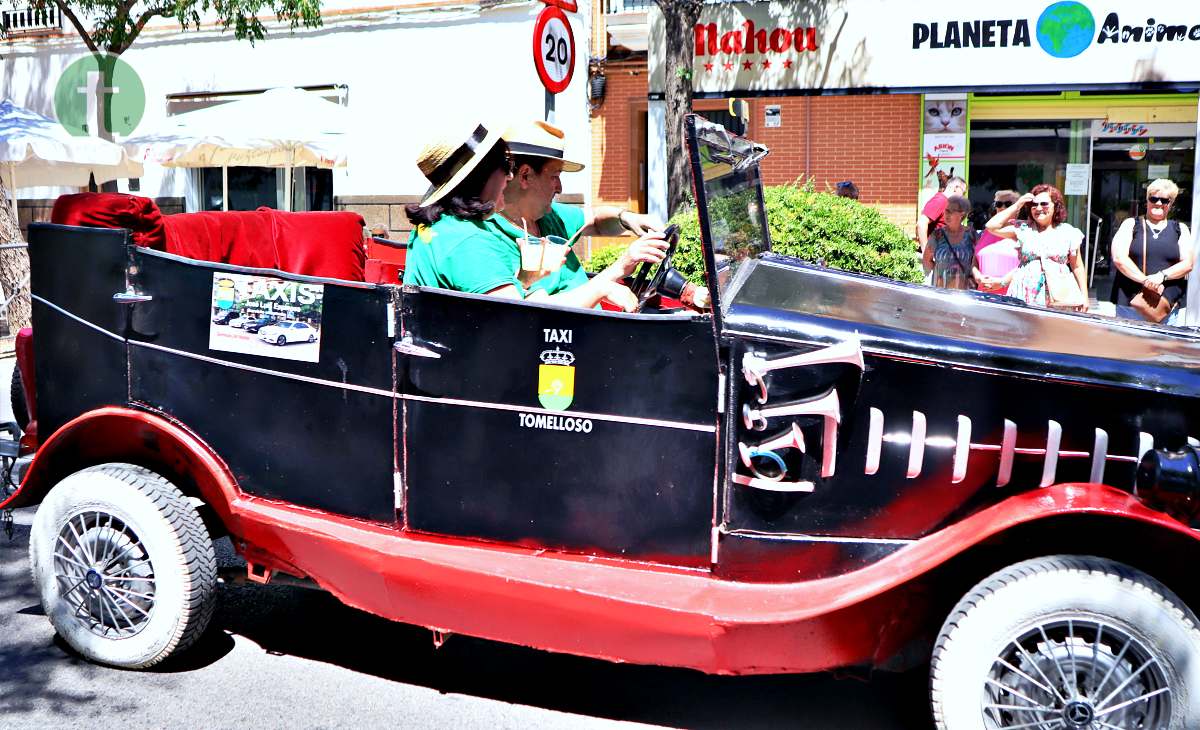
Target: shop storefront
{"points": [[1093, 97], [1100, 149]]}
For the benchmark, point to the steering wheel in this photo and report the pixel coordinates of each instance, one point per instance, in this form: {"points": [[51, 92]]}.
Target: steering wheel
{"points": [[645, 284]]}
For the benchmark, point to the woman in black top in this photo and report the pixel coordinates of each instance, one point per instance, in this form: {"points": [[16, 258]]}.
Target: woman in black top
{"points": [[1152, 254]]}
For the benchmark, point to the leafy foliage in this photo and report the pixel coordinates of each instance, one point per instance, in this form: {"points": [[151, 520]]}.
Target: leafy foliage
{"points": [[116, 24], [814, 226]]}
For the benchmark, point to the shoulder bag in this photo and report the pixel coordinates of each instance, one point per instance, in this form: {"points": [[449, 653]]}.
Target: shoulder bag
{"points": [[1152, 307], [1062, 290]]}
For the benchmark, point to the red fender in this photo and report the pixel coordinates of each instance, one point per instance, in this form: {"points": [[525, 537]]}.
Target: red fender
{"points": [[579, 604], [140, 437]]}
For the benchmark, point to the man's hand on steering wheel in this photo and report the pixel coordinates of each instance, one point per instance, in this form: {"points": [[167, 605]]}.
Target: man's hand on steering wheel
{"points": [[649, 249]]}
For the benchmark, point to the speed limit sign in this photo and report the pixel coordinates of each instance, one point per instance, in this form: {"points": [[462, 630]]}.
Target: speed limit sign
{"points": [[553, 49]]}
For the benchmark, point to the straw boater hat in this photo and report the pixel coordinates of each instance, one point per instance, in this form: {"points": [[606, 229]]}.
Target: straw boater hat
{"points": [[539, 139], [448, 159]]}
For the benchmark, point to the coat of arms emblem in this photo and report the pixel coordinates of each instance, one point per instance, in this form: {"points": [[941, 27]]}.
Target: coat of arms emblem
{"points": [[556, 379]]}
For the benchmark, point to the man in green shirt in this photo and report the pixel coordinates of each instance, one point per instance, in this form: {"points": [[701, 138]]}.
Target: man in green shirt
{"points": [[538, 163]]}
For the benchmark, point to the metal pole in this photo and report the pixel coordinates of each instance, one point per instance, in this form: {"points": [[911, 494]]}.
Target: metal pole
{"points": [[12, 179], [549, 107], [287, 180], [224, 187], [1192, 314]]}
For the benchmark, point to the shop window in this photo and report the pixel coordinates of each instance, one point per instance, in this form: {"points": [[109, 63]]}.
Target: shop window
{"points": [[253, 187], [249, 188]]}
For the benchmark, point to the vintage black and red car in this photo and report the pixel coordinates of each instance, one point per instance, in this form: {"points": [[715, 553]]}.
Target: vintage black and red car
{"points": [[828, 470]]}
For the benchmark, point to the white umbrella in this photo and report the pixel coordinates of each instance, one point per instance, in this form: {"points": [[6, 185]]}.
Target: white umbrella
{"points": [[278, 128], [37, 151]]}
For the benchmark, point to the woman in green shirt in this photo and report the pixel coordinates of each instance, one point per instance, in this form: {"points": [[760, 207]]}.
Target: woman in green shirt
{"points": [[452, 247]]}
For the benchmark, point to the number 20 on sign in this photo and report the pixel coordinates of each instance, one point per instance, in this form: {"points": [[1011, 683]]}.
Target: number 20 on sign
{"points": [[553, 49]]}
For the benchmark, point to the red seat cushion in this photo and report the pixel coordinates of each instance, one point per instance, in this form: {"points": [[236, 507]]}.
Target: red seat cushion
{"points": [[324, 244], [241, 237], [328, 244], [114, 210], [382, 272]]}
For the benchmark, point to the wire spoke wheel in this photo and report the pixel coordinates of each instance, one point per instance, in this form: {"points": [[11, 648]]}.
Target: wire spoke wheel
{"points": [[1067, 642], [104, 572], [123, 564], [1076, 673]]}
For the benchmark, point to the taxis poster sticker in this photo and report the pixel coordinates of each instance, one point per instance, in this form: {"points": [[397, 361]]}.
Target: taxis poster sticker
{"points": [[267, 316]]}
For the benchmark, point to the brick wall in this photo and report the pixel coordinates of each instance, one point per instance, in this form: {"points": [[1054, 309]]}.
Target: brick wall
{"points": [[612, 134], [872, 140]]}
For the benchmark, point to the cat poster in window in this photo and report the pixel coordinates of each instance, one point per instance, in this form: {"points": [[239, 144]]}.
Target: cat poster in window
{"points": [[945, 114], [944, 141]]}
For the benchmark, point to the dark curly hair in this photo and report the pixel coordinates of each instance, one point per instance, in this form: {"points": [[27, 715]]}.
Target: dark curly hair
{"points": [[1056, 197], [464, 201]]}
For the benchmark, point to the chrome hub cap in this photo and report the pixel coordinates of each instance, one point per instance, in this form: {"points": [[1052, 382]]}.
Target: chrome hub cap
{"points": [[1076, 674], [105, 574]]}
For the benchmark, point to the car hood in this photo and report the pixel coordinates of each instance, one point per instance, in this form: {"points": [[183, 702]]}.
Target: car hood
{"points": [[782, 298]]}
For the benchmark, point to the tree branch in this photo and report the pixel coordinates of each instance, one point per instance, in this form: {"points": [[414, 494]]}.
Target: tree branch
{"points": [[141, 23], [83, 33]]}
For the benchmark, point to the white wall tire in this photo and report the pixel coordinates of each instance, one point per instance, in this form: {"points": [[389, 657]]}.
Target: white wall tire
{"points": [[123, 564], [1049, 643]]}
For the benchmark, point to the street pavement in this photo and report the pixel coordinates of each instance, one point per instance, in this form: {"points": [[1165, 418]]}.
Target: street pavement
{"points": [[280, 656]]}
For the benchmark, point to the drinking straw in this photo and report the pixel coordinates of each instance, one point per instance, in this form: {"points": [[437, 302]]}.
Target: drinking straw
{"points": [[574, 238]]}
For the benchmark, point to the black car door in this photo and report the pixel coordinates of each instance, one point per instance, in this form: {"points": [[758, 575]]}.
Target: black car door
{"points": [[556, 427]]}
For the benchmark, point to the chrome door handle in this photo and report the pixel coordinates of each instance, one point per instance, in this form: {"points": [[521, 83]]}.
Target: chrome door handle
{"points": [[128, 297], [406, 345]]}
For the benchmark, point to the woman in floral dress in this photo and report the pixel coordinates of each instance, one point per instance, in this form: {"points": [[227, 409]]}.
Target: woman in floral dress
{"points": [[1046, 243]]}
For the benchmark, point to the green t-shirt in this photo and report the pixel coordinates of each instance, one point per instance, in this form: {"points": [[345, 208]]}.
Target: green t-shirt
{"points": [[462, 255], [564, 221]]}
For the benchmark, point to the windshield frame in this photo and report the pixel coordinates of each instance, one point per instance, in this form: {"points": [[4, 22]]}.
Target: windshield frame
{"points": [[747, 155]]}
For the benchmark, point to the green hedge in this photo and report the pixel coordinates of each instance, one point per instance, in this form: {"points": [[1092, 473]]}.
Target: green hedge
{"points": [[810, 225]]}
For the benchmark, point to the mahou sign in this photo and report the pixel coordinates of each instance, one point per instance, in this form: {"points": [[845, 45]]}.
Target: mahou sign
{"points": [[767, 48], [749, 40]]}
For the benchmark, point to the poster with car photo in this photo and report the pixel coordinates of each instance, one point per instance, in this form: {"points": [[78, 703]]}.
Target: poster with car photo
{"points": [[267, 316]]}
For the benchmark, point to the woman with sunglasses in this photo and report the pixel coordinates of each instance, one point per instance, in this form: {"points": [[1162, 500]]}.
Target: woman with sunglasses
{"points": [[1046, 244], [1153, 257], [996, 257], [951, 250]]}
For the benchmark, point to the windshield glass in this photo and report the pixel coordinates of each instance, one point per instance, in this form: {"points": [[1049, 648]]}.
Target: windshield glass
{"points": [[731, 195]]}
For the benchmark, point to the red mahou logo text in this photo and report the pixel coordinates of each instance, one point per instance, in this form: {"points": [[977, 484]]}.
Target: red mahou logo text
{"points": [[748, 40]]}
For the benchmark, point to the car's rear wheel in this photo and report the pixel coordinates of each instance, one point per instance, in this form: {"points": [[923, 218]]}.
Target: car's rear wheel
{"points": [[281, 340], [124, 565], [312, 337], [16, 390], [1068, 642]]}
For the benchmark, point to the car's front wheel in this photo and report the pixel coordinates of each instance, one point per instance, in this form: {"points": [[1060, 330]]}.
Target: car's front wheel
{"points": [[281, 340], [124, 565], [1068, 642], [312, 337]]}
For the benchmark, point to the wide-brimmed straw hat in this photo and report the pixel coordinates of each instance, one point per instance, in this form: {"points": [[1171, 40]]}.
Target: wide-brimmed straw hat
{"points": [[447, 160], [539, 139]]}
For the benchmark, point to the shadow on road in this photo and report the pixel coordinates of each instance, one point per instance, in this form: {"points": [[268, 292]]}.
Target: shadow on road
{"points": [[26, 667], [314, 625]]}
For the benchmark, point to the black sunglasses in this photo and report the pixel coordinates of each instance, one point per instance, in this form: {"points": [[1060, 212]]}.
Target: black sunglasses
{"points": [[1001, 203], [1040, 204], [1160, 201]]}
